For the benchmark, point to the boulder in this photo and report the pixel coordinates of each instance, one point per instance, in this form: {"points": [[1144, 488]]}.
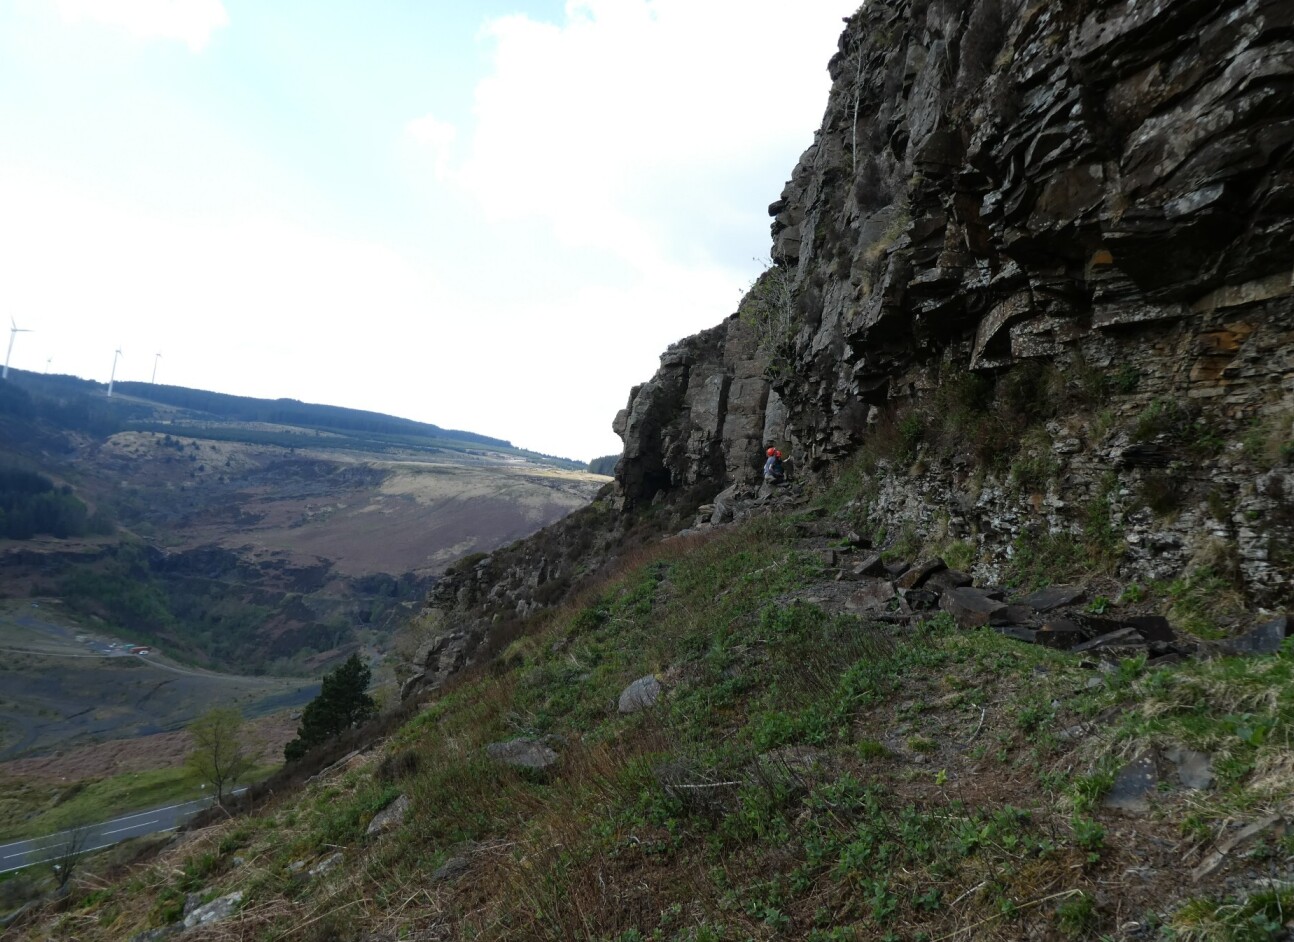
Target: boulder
{"points": [[641, 694], [522, 753], [916, 577]]}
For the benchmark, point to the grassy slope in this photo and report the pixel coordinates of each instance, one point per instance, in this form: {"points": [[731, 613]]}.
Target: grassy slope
{"points": [[29, 810], [809, 776]]}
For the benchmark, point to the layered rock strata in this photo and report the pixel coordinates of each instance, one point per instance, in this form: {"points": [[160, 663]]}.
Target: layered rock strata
{"points": [[1105, 187]]}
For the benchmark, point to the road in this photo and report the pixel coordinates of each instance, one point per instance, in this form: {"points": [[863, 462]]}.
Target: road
{"points": [[37, 850]]}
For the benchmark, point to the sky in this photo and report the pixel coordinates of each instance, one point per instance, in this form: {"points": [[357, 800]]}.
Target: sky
{"points": [[492, 216]]}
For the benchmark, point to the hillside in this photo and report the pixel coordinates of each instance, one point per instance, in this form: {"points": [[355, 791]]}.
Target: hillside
{"points": [[258, 534], [213, 528], [1008, 658]]}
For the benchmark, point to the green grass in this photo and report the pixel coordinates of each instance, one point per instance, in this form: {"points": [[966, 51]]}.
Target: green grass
{"points": [[807, 774], [31, 810]]}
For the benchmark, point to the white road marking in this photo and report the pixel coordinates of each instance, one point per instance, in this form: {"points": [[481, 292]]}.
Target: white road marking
{"points": [[129, 827]]}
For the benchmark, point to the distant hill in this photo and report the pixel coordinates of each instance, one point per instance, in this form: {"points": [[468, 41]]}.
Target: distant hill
{"points": [[79, 404], [266, 536]]}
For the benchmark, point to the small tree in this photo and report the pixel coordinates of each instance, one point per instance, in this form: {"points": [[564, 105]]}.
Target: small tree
{"points": [[343, 702], [70, 849], [221, 754]]}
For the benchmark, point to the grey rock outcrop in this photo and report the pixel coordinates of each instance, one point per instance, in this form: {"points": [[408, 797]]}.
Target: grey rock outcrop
{"points": [[702, 421], [390, 817], [215, 911], [1099, 185]]}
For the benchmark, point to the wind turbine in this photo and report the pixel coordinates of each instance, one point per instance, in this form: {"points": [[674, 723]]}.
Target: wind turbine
{"points": [[48, 361], [14, 331], [156, 357], [113, 376]]}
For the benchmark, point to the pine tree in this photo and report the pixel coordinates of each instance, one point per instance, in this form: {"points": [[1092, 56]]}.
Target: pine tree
{"points": [[343, 702]]}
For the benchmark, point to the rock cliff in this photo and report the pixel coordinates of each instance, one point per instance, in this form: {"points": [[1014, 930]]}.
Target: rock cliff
{"points": [[1043, 247], [1102, 188]]}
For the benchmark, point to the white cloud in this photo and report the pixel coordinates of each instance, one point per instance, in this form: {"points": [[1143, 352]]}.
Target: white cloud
{"points": [[436, 138], [188, 21], [600, 123]]}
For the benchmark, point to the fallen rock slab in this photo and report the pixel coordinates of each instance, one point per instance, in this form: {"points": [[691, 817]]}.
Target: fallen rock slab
{"points": [[971, 608], [1044, 600]]}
